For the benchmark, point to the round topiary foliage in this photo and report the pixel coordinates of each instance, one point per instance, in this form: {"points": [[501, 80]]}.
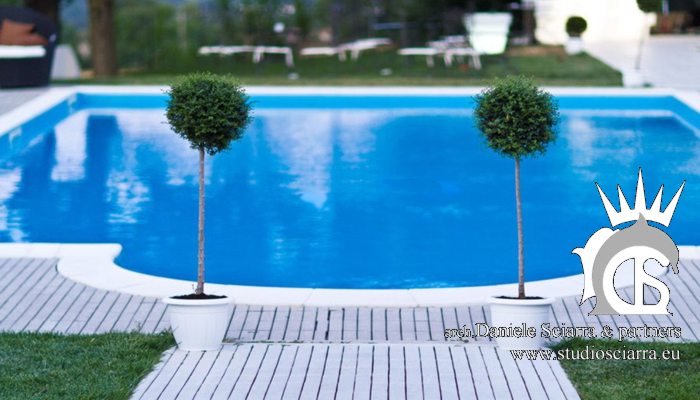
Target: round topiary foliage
{"points": [[516, 117], [649, 6], [210, 111], [575, 26]]}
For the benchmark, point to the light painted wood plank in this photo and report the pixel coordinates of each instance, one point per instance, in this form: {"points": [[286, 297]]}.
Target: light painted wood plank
{"points": [[223, 359], [420, 318], [314, 373], [260, 380], [263, 330], [336, 324], [350, 323], [465, 380], [479, 372], [32, 320], [379, 323], [397, 373], [549, 381], [428, 367], [494, 369], [280, 377], [164, 375], [532, 380], [512, 373], [331, 375], [408, 326], [446, 372], [321, 328], [414, 375], [100, 313], [251, 324], [53, 319], [393, 325], [364, 325], [233, 371], [199, 374], [348, 372], [380, 372], [364, 372], [279, 325], [298, 374], [293, 330], [143, 386], [182, 375]]}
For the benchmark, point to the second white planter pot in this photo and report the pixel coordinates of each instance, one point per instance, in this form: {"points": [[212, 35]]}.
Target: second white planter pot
{"points": [[508, 312], [199, 325], [574, 45]]}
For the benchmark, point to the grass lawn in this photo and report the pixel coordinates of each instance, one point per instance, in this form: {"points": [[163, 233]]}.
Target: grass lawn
{"points": [[547, 65], [638, 379], [50, 366]]}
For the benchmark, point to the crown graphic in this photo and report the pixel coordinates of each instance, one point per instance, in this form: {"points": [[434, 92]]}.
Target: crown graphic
{"points": [[640, 206]]}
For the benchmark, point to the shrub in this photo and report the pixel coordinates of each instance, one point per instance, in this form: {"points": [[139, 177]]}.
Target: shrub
{"points": [[516, 117], [209, 111], [575, 26], [648, 6]]}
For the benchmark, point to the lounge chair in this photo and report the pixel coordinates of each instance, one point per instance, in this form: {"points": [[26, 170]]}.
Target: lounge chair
{"points": [[27, 65], [449, 47], [257, 51], [355, 48]]}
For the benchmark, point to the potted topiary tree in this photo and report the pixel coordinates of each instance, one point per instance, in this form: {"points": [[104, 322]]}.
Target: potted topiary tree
{"points": [[210, 112], [517, 119], [575, 26]]}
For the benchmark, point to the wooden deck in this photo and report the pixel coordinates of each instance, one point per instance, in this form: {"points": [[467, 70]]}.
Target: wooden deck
{"points": [[317, 352]]}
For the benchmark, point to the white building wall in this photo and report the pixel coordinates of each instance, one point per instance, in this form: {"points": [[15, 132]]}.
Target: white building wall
{"points": [[608, 20]]}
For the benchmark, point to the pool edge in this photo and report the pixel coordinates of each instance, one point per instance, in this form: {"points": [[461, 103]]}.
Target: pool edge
{"points": [[93, 265]]}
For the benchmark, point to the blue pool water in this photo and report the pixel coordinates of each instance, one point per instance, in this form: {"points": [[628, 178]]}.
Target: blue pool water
{"points": [[341, 193]]}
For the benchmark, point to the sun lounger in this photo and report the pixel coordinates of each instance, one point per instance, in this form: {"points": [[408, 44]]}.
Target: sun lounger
{"points": [[428, 52], [450, 47], [460, 52], [324, 51], [260, 52], [225, 50]]}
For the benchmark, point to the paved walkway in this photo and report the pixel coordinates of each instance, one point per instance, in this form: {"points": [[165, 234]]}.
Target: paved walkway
{"points": [[13, 98], [668, 61], [317, 352]]}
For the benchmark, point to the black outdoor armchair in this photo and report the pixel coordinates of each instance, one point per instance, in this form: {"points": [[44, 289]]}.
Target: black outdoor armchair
{"points": [[31, 71]]}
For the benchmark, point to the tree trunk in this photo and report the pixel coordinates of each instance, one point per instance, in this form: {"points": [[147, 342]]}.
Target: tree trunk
{"points": [[102, 38], [521, 253], [200, 253], [50, 8]]}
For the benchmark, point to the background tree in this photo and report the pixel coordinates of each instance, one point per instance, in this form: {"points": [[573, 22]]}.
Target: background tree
{"points": [[517, 120], [102, 38]]}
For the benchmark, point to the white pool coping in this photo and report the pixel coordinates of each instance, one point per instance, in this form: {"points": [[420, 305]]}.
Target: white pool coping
{"points": [[93, 264]]}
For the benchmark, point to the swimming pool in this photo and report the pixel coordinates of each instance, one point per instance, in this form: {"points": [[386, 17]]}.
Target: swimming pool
{"points": [[339, 191]]}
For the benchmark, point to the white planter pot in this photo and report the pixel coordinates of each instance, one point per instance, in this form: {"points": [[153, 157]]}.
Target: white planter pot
{"points": [[199, 325], [488, 32], [632, 78], [574, 46], [514, 312]]}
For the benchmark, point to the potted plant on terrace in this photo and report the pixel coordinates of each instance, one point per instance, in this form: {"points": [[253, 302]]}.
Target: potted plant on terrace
{"points": [[517, 119], [210, 112], [575, 26]]}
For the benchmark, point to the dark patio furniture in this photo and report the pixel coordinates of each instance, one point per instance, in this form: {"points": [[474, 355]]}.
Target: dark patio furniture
{"points": [[31, 71]]}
